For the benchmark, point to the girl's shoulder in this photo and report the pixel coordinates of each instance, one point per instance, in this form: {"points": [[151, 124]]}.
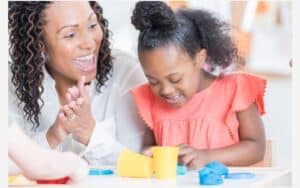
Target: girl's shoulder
{"points": [[240, 76], [240, 80], [241, 90]]}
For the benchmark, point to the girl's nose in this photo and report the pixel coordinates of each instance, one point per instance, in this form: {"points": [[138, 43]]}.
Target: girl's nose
{"points": [[167, 90]]}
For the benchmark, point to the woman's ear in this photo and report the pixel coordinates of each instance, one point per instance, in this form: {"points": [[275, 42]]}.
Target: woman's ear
{"points": [[201, 58]]}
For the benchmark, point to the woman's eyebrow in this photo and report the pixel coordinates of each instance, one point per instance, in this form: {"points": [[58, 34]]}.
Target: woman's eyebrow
{"points": [[74, 25]]}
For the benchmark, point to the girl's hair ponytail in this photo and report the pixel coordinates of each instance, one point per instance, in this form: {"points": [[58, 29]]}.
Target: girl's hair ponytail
{"points": [[214, 37]]}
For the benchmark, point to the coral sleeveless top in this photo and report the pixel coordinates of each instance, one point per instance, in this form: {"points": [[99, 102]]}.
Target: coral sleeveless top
{"points": [[209, 119]]}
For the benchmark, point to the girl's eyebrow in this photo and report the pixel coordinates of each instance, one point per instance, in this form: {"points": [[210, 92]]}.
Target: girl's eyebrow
{"points": [[74, 25], [169, 75]]}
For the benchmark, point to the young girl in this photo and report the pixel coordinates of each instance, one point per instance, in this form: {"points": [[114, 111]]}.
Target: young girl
{"points": [[189, 101]]}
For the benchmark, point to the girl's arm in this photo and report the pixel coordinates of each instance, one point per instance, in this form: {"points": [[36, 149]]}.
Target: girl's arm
{"points": [[249, 150]]}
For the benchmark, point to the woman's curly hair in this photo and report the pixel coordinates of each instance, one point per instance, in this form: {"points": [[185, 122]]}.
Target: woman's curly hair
{"points": [[188, 29], [27, 45]]}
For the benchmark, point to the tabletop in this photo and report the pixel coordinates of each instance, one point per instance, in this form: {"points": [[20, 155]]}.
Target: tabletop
{"points": [[263, 177]]}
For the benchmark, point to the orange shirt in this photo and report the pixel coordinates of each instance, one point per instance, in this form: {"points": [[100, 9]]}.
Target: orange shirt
{"points": [[209, 118]]}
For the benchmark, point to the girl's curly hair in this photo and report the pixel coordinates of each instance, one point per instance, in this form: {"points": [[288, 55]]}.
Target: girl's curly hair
{"points": [[27, 45], [188, 29]]}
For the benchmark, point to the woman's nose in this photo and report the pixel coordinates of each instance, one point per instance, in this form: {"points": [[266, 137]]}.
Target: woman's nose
{"points": [[87, 42]]}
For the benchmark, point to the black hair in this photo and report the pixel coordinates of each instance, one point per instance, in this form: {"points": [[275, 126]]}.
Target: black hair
{"points": [[25, 23], [189, 29]]}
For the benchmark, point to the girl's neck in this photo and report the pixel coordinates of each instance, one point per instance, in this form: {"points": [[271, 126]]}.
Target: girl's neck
{"points": [[206, 80]]}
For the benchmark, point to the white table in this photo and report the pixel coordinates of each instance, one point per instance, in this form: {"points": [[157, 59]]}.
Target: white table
{"points": [[265, 177]]}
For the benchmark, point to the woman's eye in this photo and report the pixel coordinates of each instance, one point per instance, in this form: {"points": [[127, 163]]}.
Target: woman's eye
{"points": [[70, 35], [92, 26]]}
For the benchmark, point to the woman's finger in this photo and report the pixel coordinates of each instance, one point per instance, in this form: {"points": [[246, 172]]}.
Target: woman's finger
{"points": [[73, 106], [81, 86], [68, 96], [69, 113]]}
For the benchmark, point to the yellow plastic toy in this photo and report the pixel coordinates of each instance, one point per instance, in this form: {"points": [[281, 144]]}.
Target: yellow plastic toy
{"points": [[165, 161], [11, 179], [131, 164]]}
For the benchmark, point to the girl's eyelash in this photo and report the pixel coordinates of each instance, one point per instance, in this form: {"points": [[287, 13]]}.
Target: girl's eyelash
{"points": [[176, 81], [155, 83]]}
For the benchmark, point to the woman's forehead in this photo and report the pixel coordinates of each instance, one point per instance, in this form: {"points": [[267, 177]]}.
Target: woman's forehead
{"points": [[61, 13]]}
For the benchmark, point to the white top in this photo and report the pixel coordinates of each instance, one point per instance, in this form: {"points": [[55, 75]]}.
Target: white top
{"points": [[118, 124]]}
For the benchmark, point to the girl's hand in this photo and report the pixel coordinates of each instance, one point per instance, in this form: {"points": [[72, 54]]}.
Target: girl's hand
{"points": [[147, 151], [78, 112], [191, 157]]}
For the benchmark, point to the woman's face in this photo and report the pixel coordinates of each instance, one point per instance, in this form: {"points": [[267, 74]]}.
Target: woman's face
{"points": [[73, 36]]}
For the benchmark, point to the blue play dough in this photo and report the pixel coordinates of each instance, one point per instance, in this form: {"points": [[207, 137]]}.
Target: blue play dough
{"points": [[240, 175], [181, 169], [208, 176], [97, 172], [218, 167]]}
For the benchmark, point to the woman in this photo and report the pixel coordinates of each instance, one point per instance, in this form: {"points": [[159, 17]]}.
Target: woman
{"points": [[57, 50]]}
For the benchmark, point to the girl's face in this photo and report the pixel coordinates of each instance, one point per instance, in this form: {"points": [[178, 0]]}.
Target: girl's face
{"points": [[172, 74], [73, 36]]}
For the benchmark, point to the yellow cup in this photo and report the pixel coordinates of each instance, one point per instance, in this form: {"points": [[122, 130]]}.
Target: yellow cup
{"points": [[131, 164], [165, 161]]}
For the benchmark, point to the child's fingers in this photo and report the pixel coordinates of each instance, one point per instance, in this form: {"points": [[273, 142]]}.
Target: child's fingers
{"points": [[186, 159], [147, 152], [183, 150]]}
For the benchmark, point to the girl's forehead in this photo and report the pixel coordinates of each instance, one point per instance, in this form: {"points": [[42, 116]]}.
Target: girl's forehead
{"points": [[166, 53], [165, 60]]}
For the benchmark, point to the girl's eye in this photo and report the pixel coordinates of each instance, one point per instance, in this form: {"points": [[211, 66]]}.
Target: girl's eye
{"points": [[70, 35], [176, 81], [153, 83]]}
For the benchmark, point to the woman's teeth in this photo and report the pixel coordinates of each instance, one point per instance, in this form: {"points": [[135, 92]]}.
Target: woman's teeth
{"points": [[86, 63], [85, 58]]}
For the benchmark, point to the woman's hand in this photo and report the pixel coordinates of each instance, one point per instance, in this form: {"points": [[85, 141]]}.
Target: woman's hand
{"points": [[77, 112], [191, 157], [58, 132]]}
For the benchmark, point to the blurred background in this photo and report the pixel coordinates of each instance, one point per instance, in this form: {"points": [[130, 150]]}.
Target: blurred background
{"points": [[262, 33]]}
